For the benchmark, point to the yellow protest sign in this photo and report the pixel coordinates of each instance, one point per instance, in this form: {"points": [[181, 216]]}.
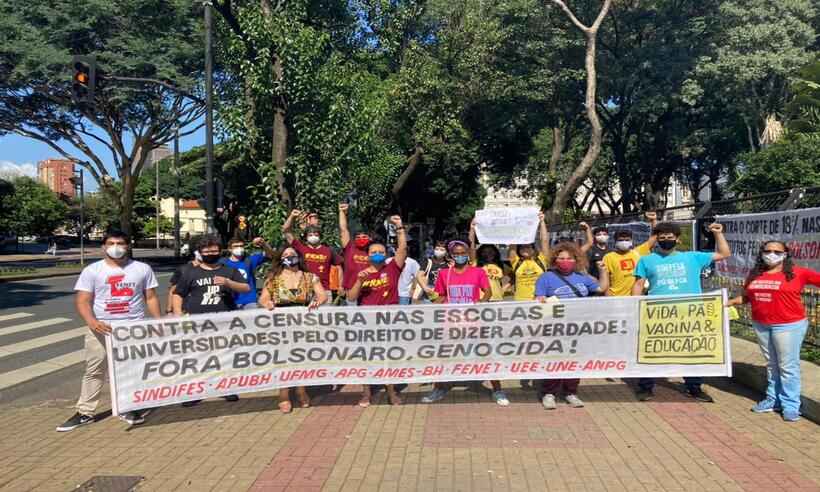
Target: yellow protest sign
{"points": [[681, 331]]}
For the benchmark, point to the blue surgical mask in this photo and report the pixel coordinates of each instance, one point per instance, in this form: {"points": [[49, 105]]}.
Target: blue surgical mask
{"points": [[377, 258], [461, 260]]}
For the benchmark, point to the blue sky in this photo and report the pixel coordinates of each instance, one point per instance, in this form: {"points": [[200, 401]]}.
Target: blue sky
{"points": [[19, 155]]}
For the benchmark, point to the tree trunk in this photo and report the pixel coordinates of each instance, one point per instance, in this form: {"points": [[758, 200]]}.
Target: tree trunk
{"points": [[566, 192], [557, 150], [129, 186], [412, 163]]}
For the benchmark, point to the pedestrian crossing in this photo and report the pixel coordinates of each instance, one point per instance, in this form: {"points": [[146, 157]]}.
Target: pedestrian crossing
{"points": [[31, 348]]}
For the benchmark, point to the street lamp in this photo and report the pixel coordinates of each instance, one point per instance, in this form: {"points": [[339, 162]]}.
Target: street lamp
{"points": [[177, 185], [209, 122]]}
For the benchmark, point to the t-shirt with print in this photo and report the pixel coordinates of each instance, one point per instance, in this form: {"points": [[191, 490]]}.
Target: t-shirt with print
{"points": [[119, 292], [595, 255], [355, 260], [673, 274], [317, 260], [408, 276], [551, 284], [435, 268], [621, 268], [526, 275], [495, 274], [247, 268], [775, 300], [200, 295], [382, 287], [464, 287]]}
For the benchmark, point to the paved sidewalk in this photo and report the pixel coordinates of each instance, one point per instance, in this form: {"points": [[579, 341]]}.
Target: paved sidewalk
{"points": [[465, 443]]}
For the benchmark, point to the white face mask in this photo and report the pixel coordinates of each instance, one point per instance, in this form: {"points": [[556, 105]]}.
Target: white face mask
{"points": [[773, 259], [439, 253], [116, 251], [623, 245], [313, 239], [602, 238], [238, 251]]}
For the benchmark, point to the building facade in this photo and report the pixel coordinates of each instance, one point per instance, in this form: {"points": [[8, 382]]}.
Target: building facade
{"points": [[57, 174], [192, 218]]}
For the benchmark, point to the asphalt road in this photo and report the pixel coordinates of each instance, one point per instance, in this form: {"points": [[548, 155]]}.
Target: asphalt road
{"points": [[41, 339]]}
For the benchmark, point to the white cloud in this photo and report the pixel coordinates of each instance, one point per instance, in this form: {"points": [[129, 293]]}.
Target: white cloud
{"points": [[9, 169]]}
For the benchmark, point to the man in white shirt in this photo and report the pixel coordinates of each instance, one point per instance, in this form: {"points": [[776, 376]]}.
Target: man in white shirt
{"points": [[115, 288], [407, 281]]}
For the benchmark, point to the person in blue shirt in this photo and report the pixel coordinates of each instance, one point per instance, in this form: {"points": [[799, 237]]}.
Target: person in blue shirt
{"points": [[672, 272], [567, 279], [247, 265]]}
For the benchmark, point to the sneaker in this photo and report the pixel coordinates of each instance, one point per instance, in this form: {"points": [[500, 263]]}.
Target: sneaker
{"points": [[501, 398], [434, 396], [231, 398], [645, 394], [791, 415], [192, 403], [548, 402], [765, 406], [700, 395], [574, 401], [75, 421], [133, 418]]}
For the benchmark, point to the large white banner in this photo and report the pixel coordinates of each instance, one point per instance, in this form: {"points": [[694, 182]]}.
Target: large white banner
{"points": [[166, 361], [509, 225], [799, 229]]}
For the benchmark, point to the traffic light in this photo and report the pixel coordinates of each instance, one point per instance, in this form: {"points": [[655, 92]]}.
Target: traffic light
{"points": [[84, 80]]}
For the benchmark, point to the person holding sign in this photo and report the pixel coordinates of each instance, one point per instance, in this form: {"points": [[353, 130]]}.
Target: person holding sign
{"points": [[528, 263], [462, 283], [774, 288], [289, 283], [378, 285], [566, 279], [115, 288], [671, 272]]}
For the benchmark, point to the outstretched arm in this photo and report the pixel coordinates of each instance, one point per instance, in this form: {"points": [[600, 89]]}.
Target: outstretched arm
{"points": [[344, 232], [545, 235], [589, 239], [722, 249], [401, 235], [473, 245], [287, 227]]}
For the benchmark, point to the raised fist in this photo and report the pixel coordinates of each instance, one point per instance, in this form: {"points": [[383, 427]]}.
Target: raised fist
{"points": [[584, 226], [295, 213], [716, 228], [344, 207], [396, 221]]}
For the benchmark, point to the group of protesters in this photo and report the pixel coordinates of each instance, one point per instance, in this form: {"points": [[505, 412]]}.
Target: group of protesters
{"points": [[367, 271]]}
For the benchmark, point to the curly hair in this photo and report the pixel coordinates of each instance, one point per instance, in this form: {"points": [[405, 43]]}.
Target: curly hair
{"points": [[571, 248], [761, 266]]}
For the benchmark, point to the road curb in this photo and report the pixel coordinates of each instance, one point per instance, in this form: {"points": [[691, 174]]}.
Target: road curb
{"points": [[749, 369], [153, 262], [19, 278]]}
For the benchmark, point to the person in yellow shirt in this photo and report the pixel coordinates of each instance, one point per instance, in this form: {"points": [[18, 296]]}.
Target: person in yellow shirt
{"points": [[528, 263], [488, 257], [621, 262]]}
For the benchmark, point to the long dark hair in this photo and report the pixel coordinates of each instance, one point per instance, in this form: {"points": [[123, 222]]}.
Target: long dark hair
{"points": [[276, 266], [761, 267], [496, 260]]}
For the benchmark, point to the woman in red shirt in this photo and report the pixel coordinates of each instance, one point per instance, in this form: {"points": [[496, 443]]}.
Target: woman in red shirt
{"points": [[378, 285], [773, 289]]}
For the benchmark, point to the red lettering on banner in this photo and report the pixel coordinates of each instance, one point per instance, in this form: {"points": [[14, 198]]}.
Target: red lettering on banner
{"points": [[522, 367], [561, 366], [165, 392], [395, 372], [243, 381], [351, 372], [302, 374], [474, 369]]}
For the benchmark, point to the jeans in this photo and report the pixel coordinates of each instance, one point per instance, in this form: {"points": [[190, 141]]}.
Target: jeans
{"points": [[554, 386], [405, 301], [692, 383], [780, 345]]}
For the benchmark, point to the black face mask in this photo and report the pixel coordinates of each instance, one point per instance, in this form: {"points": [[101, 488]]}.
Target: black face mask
{"points": [[667, 244], [210, 259], [290, 261]]}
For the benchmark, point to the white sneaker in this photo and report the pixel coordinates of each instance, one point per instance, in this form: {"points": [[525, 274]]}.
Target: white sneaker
{"points": [[434, 396], [574, 401], [501, 398], [548, 402]]}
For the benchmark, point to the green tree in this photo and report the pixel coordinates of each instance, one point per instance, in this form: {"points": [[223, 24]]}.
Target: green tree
{"points": [[149, 227], [32, 209], [788, 163], [156, 40]]}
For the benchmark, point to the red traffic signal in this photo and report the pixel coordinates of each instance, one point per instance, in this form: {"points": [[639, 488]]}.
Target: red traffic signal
{"points": [[84, 79]]}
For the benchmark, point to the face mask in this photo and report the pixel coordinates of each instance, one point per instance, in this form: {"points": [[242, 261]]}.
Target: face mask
{"points": [[116, 252], [602, 238], [773, 259], [623, 245], [461, 260], [362, 242], [565, 266], [314, 240], [668, 244], [290, 261], [238, 252], [210, 259], [377, 258], [440, 253]]}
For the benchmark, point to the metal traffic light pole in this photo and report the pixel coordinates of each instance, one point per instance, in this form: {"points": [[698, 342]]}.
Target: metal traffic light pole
{"points": [[209, 123]]}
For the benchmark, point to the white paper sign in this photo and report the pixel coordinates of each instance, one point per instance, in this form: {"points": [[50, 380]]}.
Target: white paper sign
{"points": [[509, 225]]}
